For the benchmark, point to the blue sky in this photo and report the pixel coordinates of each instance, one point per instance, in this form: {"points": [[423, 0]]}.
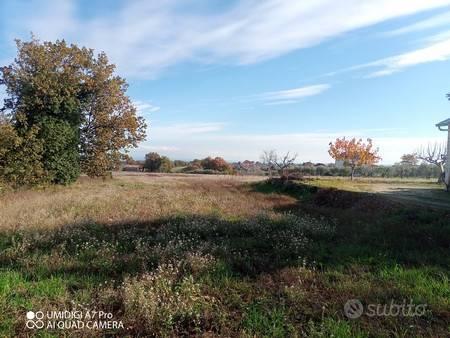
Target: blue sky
{"points": [[232, 78]]}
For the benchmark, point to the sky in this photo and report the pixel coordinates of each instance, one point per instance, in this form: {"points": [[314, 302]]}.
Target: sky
{"points": [[233, 78]]}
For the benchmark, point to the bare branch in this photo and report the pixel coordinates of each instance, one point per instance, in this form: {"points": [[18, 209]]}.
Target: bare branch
{"points": [[435, 153]]}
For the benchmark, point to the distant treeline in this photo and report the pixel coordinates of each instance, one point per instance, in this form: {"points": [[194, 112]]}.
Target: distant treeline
{"points": [[217, 165], [156, 163], [397, 170]]}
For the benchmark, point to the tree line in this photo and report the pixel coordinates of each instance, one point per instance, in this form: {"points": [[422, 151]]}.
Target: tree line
{"points": [[154, 162]]}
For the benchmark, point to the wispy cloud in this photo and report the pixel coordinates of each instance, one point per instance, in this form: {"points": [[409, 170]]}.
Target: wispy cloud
{"points": [[145, 107], [293, 95], [145, 37], [433, 22], [276, 103], [159, 148], [183, 129], [438, 51], [436, 48]]}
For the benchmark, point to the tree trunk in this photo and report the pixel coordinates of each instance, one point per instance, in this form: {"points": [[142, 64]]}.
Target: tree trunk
{"points": [[352, 174]]}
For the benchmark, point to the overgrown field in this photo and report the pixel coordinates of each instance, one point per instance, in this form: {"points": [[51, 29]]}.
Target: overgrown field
{"points": [[222, 256]]}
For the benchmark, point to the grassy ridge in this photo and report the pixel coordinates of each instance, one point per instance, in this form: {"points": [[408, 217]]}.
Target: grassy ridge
{"points": [[253, 259]]}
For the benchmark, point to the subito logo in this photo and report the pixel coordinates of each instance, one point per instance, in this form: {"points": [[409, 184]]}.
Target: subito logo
{"points": [[353, 308], [34, 320]]}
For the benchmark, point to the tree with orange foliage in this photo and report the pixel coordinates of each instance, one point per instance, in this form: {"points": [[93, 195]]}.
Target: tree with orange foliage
{"points": [[217, 164], [354, 153]]}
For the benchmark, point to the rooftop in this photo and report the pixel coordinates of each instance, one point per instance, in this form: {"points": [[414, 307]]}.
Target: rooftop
{"points": [[444, 123]]}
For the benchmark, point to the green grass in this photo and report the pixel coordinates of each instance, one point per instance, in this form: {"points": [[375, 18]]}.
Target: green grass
{"points": [[412, 191], [263, 322], [283, 274]]}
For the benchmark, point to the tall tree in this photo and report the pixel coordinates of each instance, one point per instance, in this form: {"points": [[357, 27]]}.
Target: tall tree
{"points": [[109, 125], [44, 94], [409, 159], [152, 162], [166, 165], [68, 94], [354, 153]]}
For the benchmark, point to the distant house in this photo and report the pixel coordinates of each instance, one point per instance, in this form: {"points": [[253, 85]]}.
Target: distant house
{"points": [[248, 167], [133, 167]]}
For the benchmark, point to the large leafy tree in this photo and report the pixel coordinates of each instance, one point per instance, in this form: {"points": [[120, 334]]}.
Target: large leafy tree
{"points": [[109, 124], [152, 162], [77, 104], [217, 164], [44, 94], [354, 153], [166, 165]]}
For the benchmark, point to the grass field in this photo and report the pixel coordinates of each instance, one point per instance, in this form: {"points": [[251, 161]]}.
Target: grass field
{"points": [[181, 255], [412, 191]]}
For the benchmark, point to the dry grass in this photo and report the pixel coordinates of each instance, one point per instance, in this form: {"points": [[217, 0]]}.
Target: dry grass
{"points": [[140, 197], [203, 255]]}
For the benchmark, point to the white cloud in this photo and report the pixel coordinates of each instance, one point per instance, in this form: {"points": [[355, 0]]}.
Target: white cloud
{"points": [[161, 148], [145, 107], [184, 129], [309, 146], [293, 95], [438, 51], [433, 22], [210, 139], [437, 48], [145, 37], [444, 35], [275, 103]]}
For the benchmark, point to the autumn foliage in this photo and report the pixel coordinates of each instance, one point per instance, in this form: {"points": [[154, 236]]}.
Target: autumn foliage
{"points": [[72, 106], [217, 164], [354, 153]]}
